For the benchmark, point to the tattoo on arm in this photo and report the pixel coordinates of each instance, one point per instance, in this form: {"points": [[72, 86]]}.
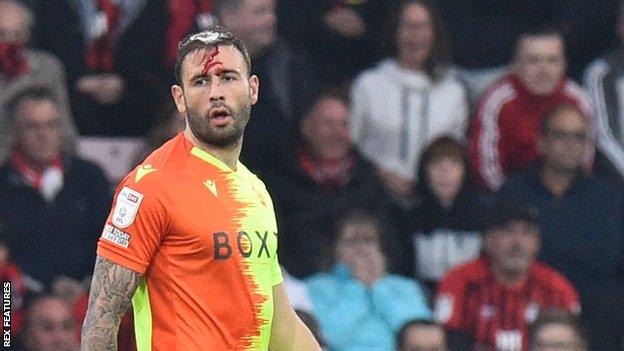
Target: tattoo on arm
{"points": [[111, 294]]}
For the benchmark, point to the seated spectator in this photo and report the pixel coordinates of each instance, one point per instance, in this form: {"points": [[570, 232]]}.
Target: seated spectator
{"points": [[442, 230], [114, 55], [49, 326], [603, 83], [421, 335], [557, 330], [288, 79], [581, 221], [504, 133], [358, 304], [314, 180], [488, 303], [56, 203], [406, 101], [483, 34], [21, 66]]}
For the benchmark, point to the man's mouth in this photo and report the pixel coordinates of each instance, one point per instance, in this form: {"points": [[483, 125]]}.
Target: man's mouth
{"points": [[220, 116]]}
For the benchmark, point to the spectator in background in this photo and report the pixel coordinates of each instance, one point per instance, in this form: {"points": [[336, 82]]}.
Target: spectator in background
{"points": [[186, 17], [581, 221], [557, 330], [358, 304], [21, 66], [483, 34], [407, 100], [342, 35], [56, 203], [603, 81], [443, 229], [421, 335], [288, 79], [167, 124], [49, 326], [113, 52], [488, 303], [316, 179], [504, 133]]}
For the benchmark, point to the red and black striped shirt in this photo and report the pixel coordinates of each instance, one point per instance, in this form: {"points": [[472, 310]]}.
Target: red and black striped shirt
{"points": [[471, 300]]}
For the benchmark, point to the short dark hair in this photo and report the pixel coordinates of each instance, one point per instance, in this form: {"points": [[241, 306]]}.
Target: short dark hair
{"points": [[214, 36], [559, 317], [36, 92], [421, 322], [327, 92], [505, 211], [555, 111], [537, 32]]}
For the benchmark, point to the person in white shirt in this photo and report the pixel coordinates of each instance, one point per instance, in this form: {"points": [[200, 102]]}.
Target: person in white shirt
{"points": [[407, 100]]}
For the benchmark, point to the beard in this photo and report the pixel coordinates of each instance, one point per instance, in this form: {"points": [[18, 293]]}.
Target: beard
{"points": [[222, 137]]}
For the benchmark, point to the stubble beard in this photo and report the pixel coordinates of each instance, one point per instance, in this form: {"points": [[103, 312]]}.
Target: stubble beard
{"points": [[221, 137]]}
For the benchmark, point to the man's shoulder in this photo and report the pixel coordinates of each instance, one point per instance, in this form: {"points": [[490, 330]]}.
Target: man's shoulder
{"points": [[604, 64], [159, 167], [82, 167], [470, 272], [546, 276], [498, 94]]}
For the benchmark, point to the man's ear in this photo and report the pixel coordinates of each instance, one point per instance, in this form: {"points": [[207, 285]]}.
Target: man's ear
{"points": [[178, 97], [254, 86]]}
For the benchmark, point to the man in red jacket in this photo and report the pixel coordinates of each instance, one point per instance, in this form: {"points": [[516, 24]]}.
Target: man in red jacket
{"points": [[503, 137], [488, 303]]}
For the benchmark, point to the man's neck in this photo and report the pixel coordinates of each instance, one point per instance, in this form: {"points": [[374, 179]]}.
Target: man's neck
{"points": [[557, 181], [509, 279], [35, 165], [228, 155]]}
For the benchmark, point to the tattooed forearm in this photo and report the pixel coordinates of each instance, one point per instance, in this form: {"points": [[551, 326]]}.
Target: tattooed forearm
{"points": [[110, 297]]}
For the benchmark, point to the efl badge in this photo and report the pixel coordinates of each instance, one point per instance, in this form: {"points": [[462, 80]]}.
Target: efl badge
{"points": [[126, 207]]}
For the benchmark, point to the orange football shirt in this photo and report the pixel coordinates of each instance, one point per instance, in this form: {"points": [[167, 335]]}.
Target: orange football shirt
{"points": [[204, 237]]}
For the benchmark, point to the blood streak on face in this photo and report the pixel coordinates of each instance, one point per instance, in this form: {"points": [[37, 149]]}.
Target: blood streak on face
{"points": [[210, 59]]}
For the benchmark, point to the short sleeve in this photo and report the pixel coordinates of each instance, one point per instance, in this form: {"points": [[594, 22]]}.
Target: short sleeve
{"points": [[135, 227]]}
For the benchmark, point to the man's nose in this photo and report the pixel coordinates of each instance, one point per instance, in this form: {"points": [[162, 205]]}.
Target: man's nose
{"points": [[216, 91]]}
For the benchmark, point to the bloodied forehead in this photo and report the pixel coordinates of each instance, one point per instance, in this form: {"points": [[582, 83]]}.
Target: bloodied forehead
{"points": [[224, 56]]}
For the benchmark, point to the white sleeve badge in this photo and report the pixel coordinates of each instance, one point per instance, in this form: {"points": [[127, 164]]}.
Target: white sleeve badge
{"points": [[126, 207]]}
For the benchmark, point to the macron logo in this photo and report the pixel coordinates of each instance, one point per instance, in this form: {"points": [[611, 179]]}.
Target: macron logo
{"points": [[142, 171], [212, 186]]}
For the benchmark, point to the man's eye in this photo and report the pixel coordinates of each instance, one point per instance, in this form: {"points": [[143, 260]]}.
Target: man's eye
{"points": [[229, 77], [201, 81]]}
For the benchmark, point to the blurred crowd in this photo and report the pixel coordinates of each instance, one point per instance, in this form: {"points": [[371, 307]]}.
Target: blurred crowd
{"points": [[447, 174]]}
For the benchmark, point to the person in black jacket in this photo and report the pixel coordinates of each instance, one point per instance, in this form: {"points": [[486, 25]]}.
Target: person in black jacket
{"points": [[114, 56], [317, 179], [443, 228], [54, 206]]}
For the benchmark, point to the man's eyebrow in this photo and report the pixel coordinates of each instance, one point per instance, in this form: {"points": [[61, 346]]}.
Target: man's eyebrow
{"points": [[221, 71]]}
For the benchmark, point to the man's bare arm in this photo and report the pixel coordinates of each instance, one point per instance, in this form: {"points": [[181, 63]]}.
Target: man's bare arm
{"points": [[111, 294], [288, 333]]}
